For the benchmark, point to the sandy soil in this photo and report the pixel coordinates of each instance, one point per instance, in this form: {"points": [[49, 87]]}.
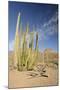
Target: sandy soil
{"points": [[22, 79]]}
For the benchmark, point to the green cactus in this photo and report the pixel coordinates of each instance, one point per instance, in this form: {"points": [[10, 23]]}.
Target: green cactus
{"points": [[25, 57], [36, 48], [16, 44]]}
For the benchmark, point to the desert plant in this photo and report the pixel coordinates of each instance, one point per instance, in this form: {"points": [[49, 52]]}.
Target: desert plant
{"points": [[36, 48], [16, 44], [25, 57], [24, 49], [31, 50]]}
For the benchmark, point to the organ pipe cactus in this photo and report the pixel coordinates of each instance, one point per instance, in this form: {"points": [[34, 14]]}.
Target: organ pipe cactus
{"points": [[16, 43], [24, 54]]}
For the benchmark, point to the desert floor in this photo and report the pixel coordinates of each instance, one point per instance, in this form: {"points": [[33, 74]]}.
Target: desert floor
{"points": [[23, 79]]}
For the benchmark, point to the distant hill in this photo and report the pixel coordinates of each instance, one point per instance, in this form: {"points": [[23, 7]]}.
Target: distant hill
{"points": [[51, 56], [51, 53]]}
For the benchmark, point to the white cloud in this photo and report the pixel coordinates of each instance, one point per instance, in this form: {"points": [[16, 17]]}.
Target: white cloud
{"points": [[11, 45], [52, 20], [49, 28]]}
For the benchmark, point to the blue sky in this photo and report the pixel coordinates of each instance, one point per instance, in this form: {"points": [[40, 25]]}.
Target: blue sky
{"points": [[44, 17]]}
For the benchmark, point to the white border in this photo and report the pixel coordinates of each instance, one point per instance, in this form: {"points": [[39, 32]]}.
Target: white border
{"points": [[4, 44], [41, 1]]}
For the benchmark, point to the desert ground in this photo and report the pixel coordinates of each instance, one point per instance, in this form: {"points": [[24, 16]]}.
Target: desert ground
{"points": [[34, 78], [23, 79]]}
